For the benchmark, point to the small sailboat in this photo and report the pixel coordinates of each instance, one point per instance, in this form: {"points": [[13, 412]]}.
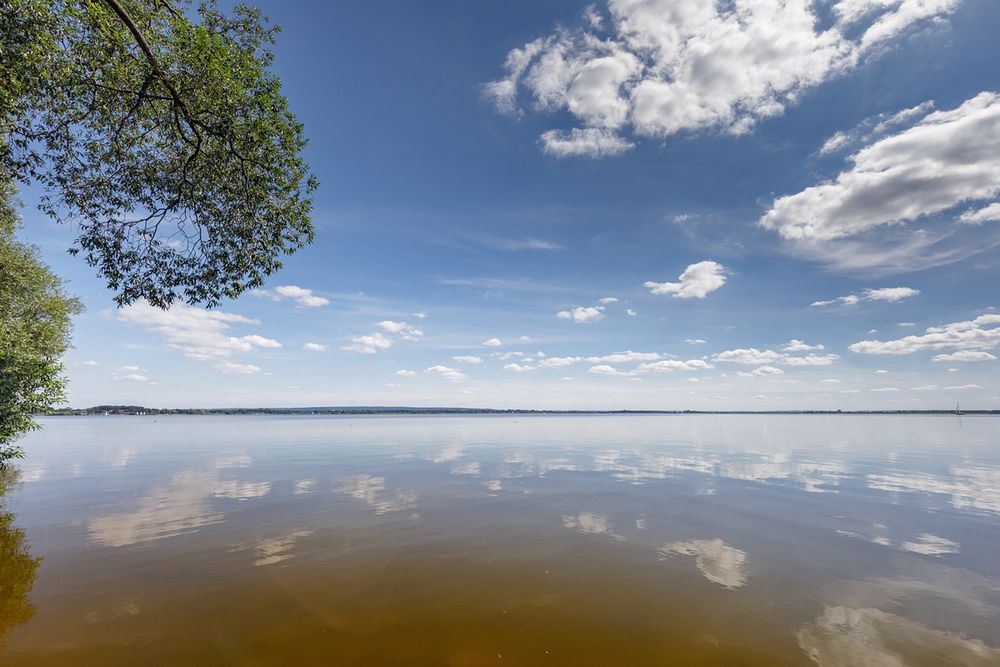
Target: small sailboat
{"points": [[958, 410]]}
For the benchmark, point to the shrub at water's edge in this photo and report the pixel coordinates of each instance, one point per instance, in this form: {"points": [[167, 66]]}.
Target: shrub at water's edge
{"points": [[35, 326]]}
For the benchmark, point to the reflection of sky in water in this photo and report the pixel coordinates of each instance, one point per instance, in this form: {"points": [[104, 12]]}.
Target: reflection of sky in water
{"points": [[821, 507], [718, 561]]}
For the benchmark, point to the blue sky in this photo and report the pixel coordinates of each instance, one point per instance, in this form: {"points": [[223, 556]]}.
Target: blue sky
{"points": [[624, 204]]}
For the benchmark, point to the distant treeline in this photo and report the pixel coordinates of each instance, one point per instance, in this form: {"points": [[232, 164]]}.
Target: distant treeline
{"points": [[391, 410]]}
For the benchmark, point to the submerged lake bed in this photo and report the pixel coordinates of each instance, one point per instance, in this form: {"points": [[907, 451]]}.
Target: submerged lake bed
{"points": [[505, 539]]}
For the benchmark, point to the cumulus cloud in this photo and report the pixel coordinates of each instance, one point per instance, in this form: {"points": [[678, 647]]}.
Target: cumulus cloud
{"points": [[406, 374], [795, 345], [981, 333], [751, 356], [670, 365], [625, 357], [890, 294], [657, 68], [449, 374], [402, 329], [748, 356], [314, 347], [518, 368], [558, 362], [369, 343], [492, 342], [237, 368], [582, 314], [131, 374], [697, 281], [947, 158], [589, 142], [605, 369], [966, 355], [468, 359], [199, 334], [377, 341], [989, 213], [300, 295]]}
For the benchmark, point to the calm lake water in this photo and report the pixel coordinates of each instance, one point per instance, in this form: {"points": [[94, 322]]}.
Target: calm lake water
{"points": [[492, 540]]}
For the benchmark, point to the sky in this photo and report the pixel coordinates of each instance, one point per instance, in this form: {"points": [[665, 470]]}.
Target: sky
{"points": [[644, 204]]}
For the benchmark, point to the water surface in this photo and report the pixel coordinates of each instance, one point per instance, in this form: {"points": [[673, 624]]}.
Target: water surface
{"points": [[490, 540]]}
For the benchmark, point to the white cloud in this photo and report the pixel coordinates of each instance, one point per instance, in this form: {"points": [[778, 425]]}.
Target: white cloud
{"points": [[890, 294], [236, 368], [405, 373], [199, 334], [605, 369], [369, 344], [518, 368], [796, 345], [961, 387], [748, 356], [558, 362], [884, 389], [989, 213], [450, 374], [402, 329], [581, 314], [608, 299], [810, 360], [630, 312], [670, 365], [982, 333], [314, 347], [625, 357], [300, 295], [662, 67], [695, 341], [966, 355], [946, 159], [763, 371], [89, 363], [420, 315], [697, 281], [752, 356], [468, 359], [131, 377], [492, 342], [261, 341], [589, 142]]}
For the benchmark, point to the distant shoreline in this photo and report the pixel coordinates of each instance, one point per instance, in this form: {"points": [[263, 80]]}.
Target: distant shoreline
{"points": [[135, 410]]}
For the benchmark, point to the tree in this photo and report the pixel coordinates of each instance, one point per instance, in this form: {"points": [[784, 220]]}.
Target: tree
{"points": [[35, 325], [162, 134]]}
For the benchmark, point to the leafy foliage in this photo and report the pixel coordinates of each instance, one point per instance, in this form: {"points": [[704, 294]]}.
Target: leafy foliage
{"points": [[35, 325], [162, 134]]}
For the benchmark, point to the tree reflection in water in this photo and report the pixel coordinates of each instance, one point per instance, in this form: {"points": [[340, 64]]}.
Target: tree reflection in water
{"points": [[18, 568]]}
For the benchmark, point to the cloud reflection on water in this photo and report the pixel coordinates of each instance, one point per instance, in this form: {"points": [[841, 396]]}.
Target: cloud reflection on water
{"points": [[851, 637], [372, 491], [719, 562], [181, 505]]}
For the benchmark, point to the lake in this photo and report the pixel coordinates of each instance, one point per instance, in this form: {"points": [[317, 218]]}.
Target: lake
{"points": [[504, 540]]}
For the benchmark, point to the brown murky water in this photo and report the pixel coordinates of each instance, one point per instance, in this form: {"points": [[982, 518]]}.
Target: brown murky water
{"points": [[584, 540]]}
